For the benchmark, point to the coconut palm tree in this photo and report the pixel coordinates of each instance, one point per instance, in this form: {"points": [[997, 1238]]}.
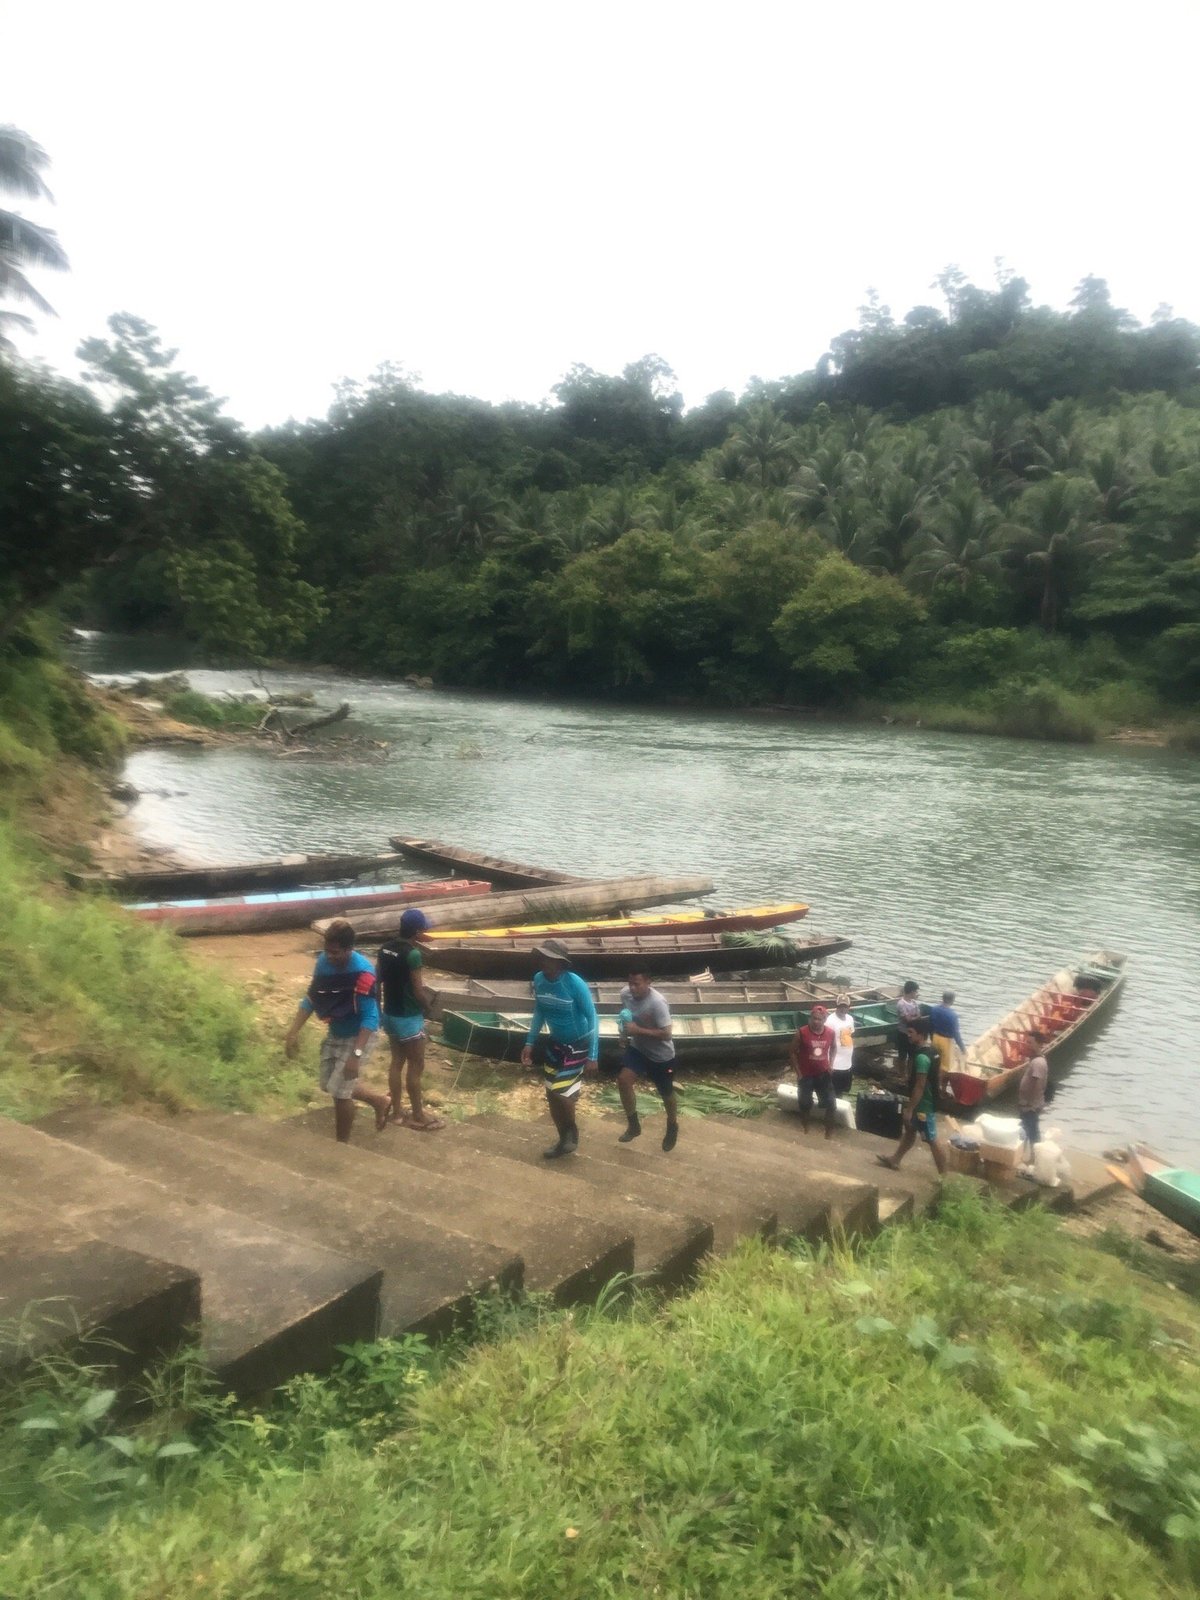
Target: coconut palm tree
{"points": [[766, 446], [23, 244], [1055, 533], [957, 542]]}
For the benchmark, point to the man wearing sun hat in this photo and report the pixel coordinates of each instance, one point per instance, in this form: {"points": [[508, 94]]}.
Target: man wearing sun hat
{"points": [[812, 1052], [563, 1004]]}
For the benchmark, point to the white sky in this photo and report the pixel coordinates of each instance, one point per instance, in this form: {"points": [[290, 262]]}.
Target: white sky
{"points": [[486, 193]]}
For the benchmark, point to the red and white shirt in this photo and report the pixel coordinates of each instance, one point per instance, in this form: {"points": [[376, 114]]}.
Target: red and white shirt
{"points": [[815, 1050]]}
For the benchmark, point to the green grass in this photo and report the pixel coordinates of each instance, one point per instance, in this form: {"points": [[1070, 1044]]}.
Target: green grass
{"points": [[974, 1407], [203, 711], [97, 1006]]}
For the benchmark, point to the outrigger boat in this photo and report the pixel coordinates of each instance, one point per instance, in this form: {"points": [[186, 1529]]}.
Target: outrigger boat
{"points": [[623, 927], [266, 913], [593, 958], [1058, 1011], [1174, 1191], [283, 872], [719, 1038], [504, 874]]}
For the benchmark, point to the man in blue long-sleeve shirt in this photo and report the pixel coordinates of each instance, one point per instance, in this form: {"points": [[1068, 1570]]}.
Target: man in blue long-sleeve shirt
{"points": [[563, 1004], [946, 1030]]}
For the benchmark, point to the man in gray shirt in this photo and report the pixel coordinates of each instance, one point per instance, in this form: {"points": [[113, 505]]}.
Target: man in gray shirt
{"points": [[649, 1054]]}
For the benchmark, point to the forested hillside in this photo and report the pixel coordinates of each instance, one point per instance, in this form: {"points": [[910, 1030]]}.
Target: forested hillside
{"points": [[993, 508]]}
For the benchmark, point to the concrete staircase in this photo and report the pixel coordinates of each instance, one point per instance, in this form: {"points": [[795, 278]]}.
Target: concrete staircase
{"points": [[277, 1245]]}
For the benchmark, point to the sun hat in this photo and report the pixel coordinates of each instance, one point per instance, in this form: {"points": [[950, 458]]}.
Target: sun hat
{"points": [[413, 921], [553, 950]]}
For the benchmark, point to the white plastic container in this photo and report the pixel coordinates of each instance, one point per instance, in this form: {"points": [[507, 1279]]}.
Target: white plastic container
{"points": [[1005, 1132]]}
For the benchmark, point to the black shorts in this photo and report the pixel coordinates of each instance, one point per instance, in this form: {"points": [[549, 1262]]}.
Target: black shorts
{"points": [[904, 1049], [822, 1088], [843, 1078], [660, 1073]]}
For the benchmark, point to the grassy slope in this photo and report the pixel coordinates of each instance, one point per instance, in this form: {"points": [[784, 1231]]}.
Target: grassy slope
{"points": [[976, 1407], [91, 1005]]}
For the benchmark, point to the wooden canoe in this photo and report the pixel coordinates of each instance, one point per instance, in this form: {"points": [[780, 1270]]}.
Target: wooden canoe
{"points": [[599, 897], [284, 872], [446, 992], [623, 927], [594, 959], [1173, 1191], [471, 864], [1060, 1009], [265, 913], [716, 1038]]}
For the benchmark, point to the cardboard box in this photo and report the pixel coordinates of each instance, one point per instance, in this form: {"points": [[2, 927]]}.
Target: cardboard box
{"points": [[965, 1161], [998, 1164]]}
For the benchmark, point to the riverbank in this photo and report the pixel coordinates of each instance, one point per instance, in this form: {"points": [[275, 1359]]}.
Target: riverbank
{"points": [[977, 1405]]}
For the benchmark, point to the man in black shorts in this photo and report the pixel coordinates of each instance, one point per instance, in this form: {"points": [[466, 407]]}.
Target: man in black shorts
{"points": [[649, 1055]]}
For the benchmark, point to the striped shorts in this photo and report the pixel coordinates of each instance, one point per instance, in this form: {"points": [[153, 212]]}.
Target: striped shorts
{"points": [[563, 1068]]}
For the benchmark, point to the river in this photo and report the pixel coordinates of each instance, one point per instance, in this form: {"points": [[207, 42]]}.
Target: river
{"points": [[981, 865]]}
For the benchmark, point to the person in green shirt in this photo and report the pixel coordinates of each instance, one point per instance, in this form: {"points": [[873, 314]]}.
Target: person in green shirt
{"points": [[404, 1006], [920, 1112]]}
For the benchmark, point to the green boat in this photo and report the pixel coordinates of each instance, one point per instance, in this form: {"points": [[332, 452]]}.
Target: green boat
{"points": [[1172, 1190], [713, 1039]]}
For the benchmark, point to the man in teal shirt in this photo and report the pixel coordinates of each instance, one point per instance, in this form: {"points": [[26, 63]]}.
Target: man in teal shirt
{"points": [[563, 1004]]}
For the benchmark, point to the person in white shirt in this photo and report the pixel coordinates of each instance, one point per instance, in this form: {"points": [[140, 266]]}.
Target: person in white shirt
{"points": [[841, 1025]]}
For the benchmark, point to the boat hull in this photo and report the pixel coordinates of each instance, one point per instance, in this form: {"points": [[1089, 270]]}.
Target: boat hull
{"points": [[472, 864], [611, 959], [446, 992], [1063, 1009], [284, 872], [1175, 1192], [715, 1039], [268, 913], [743, 921]]}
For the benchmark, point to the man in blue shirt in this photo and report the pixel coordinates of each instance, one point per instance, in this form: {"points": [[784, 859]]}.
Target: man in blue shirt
{"points": [[563, 1004], [342, 993], [946, 1030]]}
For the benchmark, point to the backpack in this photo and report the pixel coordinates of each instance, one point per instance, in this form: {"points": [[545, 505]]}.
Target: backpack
{"points": [[395, 976]]}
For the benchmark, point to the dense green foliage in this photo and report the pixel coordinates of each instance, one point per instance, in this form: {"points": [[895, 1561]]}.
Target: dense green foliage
{"points": [[991, 513], [977, 1406]]}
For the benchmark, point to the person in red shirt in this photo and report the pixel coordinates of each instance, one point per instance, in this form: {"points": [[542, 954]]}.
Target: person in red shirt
{"points": [[811, 1056]]}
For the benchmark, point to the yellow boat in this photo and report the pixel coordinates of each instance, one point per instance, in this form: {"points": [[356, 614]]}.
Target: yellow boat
{"points": [[622, 927]]}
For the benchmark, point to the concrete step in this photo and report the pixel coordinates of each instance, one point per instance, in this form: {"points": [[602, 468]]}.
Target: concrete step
{"points": [[726, 1215], [430, 1274], [65, 1292], [669, 1242], [849, 1153], [571, 1258], [271, 1306], [810, 1185]]}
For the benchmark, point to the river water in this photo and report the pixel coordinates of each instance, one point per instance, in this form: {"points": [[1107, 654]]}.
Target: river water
{"points": [[981, 865]]}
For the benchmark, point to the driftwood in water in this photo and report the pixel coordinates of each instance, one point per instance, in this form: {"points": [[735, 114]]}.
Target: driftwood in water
{"points": [[560, 902], [274, 723]]}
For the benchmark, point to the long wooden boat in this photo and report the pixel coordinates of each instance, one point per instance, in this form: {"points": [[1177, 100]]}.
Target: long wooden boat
{"points": [[445, 992], [265, 913], [1059, 1010], [594, 959], [283, 872], [1173, 1191], [622, 927], [716, 1038], [600, 897], [472, 864]]}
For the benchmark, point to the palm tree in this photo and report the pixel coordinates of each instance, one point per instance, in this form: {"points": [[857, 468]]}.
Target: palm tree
{"points": [[23, 244], [1055, 532], [957, 543], [766, 446]]}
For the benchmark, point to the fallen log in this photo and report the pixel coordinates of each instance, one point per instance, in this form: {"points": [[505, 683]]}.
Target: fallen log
{"points": [[560, 902]]}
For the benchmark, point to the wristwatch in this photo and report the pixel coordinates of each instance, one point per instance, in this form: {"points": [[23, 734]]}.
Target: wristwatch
{"points": [[358, 1052]]}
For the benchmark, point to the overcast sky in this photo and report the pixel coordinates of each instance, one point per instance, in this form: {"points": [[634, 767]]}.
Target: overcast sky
{"points": [[487, 193]]}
